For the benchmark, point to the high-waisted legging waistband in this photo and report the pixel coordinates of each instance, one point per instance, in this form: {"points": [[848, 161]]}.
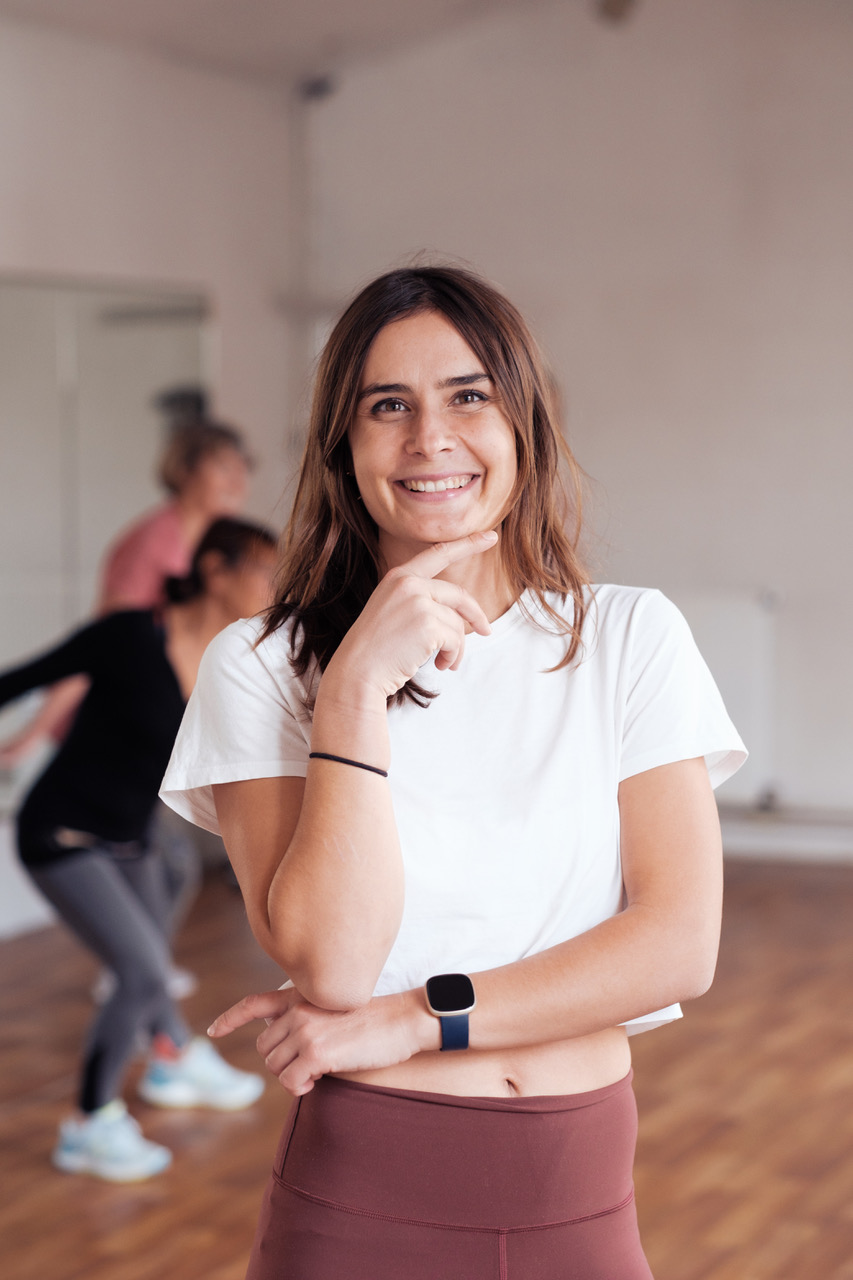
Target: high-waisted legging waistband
{"points": [[444, 1159], [390, 1184], [513, 1103]]}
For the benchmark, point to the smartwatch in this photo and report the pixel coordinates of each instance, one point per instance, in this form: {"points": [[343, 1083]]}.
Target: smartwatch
{"points": [[450, 998]]}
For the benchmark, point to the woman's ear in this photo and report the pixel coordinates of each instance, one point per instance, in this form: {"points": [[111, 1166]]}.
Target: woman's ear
{"points": [[210, 567]]}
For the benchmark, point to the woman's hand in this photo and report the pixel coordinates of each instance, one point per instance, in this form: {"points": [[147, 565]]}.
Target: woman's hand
{"points": [[411, 616], [14, 751], [50, 723], [302, 1043]]}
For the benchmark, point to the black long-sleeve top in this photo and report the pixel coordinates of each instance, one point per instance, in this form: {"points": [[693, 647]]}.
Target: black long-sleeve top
{"points": [[106, 774]]}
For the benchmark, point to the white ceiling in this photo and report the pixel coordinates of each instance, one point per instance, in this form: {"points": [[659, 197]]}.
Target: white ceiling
{"points": [[284, 40]]}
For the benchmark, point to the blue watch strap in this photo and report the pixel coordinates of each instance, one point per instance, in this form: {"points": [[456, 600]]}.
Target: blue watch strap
{"points": [[454, 1031]]}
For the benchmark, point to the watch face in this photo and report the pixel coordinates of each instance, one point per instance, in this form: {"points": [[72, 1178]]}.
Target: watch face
{"points": [[450, 992]]}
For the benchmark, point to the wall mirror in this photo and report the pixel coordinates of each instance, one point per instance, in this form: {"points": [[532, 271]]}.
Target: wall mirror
{"points": [[80, 366]]}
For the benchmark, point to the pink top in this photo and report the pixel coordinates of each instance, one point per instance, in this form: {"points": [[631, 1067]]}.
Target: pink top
{"points": [[138, 562]]}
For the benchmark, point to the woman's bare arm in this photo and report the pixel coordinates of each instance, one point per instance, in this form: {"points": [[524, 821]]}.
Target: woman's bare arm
{"points": [[319, 866], [52, 718], [661, 948], [319, 862]]}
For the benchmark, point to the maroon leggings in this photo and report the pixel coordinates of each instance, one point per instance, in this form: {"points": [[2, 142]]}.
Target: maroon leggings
{"points": [[389, 1184]]}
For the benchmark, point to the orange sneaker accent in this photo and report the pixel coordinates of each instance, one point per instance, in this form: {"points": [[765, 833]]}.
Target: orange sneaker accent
{"points": [[164, 1047]]}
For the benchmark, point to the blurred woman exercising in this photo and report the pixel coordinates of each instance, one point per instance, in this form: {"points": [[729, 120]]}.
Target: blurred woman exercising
{"points": [[83, 838]]}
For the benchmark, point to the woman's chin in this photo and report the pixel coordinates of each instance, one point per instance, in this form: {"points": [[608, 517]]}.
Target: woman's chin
{"points": [[402, 546]]}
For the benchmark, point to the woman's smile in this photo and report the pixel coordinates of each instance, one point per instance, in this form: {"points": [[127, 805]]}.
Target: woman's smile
{"points": [[448, 485]]}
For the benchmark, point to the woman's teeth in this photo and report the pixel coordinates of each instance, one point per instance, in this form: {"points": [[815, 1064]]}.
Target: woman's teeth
{"points": [[436, 486]]}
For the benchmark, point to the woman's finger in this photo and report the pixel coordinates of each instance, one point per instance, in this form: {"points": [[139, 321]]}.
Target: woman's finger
{"points": [[265, 1004], [450, 659], [280, 1057], [275, 1033], [297, 1083], [461, 602], [438, 557], [290, 1066]]}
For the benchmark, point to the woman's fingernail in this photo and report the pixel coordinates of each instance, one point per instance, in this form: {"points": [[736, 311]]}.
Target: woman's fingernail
{"points": [[211, 1029]]}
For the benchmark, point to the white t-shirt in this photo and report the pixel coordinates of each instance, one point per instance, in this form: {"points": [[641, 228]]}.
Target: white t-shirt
{"points": [[504, 787]]}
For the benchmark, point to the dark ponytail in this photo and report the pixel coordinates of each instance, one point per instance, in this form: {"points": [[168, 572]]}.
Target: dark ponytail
{"points": [[180, 590], [235, 541]]}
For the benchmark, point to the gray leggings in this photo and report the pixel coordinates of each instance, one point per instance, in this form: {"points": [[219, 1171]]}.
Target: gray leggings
{"points": [[174, 842], [116, 906]]}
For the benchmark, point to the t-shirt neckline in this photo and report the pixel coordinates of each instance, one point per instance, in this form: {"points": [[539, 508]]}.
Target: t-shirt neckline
{"points": [[507, 621]]}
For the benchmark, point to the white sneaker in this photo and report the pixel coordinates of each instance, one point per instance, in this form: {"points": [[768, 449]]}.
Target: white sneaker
{"points": [[109, 1144], [199, 1078], [181, 983]]}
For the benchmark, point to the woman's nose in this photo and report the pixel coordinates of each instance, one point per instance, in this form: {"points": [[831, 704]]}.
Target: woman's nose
{"points": [[431, 433]]}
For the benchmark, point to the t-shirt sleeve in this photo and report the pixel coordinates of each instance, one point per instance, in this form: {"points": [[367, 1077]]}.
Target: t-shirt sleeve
{"points": [[672, 708], [244, 719]]}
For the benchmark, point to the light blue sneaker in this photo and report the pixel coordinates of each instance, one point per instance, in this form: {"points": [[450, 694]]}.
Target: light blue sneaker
{"points": [[109, 1144], [198, 1077]]}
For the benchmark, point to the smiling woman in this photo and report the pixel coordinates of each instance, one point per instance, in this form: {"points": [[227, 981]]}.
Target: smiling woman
{"points": [[481, 349], [468, 800]]}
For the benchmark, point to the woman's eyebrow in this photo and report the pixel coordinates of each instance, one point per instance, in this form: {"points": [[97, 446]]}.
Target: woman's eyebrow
{"points": [[400, 388], [387, 388], [464, 379]]}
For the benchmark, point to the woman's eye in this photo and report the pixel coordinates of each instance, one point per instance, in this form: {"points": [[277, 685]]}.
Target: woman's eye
{"points": [[470, 396], [392, 405]]}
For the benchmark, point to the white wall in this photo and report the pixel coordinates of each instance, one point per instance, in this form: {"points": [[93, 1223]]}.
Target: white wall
{"points": [[670, 202], [116, 165]]}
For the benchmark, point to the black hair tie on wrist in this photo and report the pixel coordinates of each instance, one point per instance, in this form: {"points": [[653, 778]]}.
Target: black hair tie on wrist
{"points": [[356, 764]]}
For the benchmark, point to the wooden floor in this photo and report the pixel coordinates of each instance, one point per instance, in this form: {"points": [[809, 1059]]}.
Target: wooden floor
{"points": [[745, 1165]]}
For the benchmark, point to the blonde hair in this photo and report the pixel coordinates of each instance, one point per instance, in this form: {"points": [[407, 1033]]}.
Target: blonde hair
{"points": [[189, 445]]}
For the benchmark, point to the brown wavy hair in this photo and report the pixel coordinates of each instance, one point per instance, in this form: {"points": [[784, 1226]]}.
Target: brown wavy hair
{"points": [[331, 558], [189, 444]]}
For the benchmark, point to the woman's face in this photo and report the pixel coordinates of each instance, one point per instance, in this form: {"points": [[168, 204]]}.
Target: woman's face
{"points": [[219, 485], [433, 452]]}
